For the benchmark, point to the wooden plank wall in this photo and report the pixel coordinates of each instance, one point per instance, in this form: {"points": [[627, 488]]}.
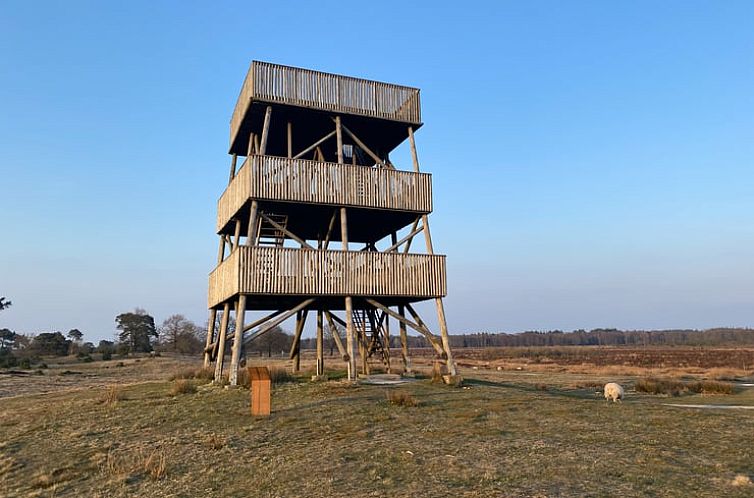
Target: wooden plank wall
{"points": [[324, 91], [298, 180], [224, 280], [284, 271], [275, 270]]}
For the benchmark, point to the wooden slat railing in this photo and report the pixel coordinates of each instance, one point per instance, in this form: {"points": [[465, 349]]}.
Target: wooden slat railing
{"points": [[299, 180], [284, 271], [274, 83]]}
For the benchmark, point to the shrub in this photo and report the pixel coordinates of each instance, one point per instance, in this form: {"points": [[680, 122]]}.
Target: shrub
{"points": [[25, 363], [112, 395], [677, 387], [401, 398], [107, 355], [660, 386], [182, 386]]}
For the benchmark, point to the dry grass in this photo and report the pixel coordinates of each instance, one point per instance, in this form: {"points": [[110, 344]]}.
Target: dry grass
{"points": [[182, 386], [498, 436], [193, 373], [113, 394], [401, 398], [127, 467]]}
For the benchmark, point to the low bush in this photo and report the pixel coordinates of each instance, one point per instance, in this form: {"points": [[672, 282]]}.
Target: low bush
{"points": [[401, 398], [677, 387], [183, 386]]}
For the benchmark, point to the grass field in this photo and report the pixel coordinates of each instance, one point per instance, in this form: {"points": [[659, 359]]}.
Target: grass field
{"points": [[123, 431]]}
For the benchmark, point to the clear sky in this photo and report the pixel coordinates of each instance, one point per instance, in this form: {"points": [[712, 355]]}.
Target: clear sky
{"points": [[593, 161]]}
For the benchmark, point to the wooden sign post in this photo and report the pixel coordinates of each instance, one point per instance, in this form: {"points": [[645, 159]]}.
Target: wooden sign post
{"points": [[260, 391]]}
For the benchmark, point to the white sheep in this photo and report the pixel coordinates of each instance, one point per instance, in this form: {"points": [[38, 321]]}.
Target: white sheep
{"points": [[613, 392]]}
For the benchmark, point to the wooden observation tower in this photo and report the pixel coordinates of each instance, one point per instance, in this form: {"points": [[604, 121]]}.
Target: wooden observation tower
{"points": [[317, 220]]}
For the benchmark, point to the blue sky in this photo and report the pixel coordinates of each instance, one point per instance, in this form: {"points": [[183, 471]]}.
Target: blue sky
{"points": [[593, 162]]}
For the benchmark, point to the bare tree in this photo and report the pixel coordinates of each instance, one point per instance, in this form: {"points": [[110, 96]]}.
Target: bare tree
{"points": [[180, 335]]}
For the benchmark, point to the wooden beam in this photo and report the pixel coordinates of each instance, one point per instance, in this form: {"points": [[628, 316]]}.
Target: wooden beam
{"points": [[314, 145], [419, 328], [210, 336], [265, 130], [364, 147], [336, 337], [285, 231], [235, 355], [413, 227], [428, 239], [277, 321], [221, 343], [296, 346], [250, 326], [330, 228], [404, 239]]}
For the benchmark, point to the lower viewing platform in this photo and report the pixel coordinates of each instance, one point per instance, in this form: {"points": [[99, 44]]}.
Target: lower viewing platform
{"points": [[272, 276]]}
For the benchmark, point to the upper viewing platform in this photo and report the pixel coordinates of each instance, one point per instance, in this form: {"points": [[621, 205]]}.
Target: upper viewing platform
{"points": [[373, 108]]}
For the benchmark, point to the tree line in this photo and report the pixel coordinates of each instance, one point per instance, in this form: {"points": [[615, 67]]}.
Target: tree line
{"points": [[608, 337]]}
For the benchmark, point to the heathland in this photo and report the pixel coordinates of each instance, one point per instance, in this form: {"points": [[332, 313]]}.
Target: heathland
{"points": [[525, 422]]}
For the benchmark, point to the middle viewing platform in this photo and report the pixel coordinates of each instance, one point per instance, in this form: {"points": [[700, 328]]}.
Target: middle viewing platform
{"points": [[278, 179]]}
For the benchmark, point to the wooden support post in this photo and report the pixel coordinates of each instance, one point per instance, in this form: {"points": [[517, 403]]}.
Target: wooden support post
{"points": [[221, 343], [237, 235], [265, 131], [235, 356], [210, 336], [428, 239], [252, 144], [251, 229], [233, 161], [349, 302], [386, 341], [320, 346], [404, 343], [221, 250], [295, 354], [290, 139], [339, 135]]}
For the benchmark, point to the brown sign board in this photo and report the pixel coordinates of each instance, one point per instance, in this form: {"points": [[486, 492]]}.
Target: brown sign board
{"points": [[260, 391]]}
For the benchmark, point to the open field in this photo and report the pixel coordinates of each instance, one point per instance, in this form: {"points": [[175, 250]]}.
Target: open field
{"points": [[120, 431]]}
